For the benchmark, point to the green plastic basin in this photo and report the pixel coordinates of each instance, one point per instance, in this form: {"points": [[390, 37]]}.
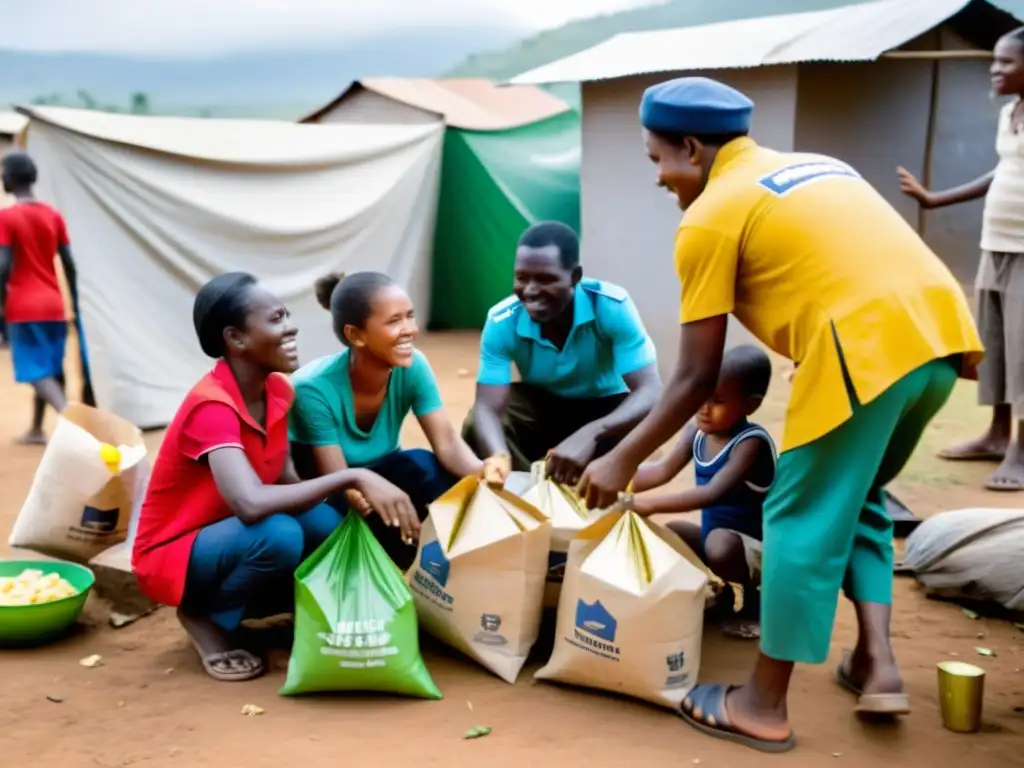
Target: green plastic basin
{"points": [[27, 625]]}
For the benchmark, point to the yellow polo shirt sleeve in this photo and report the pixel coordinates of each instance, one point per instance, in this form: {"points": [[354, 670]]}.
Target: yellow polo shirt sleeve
{"points": [[706, 262]]}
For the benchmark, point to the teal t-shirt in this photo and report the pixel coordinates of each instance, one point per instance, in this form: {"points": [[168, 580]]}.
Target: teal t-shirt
{"points": [[324, 414]]}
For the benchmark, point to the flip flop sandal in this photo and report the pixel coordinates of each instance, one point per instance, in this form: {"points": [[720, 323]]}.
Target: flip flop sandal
{"points": [[704, 709], [741, 629], [976, 456], [210, 665], [872, 703], [1005, 486], [211, 660]]}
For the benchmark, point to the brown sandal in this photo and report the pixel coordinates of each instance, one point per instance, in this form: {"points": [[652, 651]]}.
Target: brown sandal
{"points": [[872, 703]]}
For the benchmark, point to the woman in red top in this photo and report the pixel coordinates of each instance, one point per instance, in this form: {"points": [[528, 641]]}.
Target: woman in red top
{"points": [[225, 517]]}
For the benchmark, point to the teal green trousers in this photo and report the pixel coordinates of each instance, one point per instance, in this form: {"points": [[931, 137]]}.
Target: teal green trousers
{"points": [[825, 524]]}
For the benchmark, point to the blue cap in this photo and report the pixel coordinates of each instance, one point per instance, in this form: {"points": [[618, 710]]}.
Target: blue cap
{"points": [[696, 106]]}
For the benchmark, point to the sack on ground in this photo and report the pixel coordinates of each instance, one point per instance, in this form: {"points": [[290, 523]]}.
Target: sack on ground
{"points": [[970, 554], [355, 622], [478, 578], [78, 504], [568, 516], [631, 612]]}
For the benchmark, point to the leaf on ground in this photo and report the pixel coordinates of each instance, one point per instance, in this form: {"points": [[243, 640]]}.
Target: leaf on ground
{"points": [[91, 661], [469, 704], [1020, 627], [251, 710], [985, 652], [477, 732], [970, 614], [55, 699]]}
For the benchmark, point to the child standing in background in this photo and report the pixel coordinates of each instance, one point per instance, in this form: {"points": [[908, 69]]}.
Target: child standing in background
{"points": [[31, 234], [734, 462]]}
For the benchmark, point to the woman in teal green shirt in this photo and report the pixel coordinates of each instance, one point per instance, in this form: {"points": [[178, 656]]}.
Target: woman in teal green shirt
{"points": [[349, 407]]}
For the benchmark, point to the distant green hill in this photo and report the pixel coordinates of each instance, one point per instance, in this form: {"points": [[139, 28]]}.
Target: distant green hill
{"points": [[578, 35], [281, 83]]}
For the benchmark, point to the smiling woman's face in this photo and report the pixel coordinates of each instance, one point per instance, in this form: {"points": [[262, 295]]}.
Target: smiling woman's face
{"points": [[268, 337], [679, 168], [390, 330]]}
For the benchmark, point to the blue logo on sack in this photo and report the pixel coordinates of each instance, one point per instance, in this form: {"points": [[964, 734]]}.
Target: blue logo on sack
{"points": [[785, 180], [100, 520], [435, 563], [595, 620]]}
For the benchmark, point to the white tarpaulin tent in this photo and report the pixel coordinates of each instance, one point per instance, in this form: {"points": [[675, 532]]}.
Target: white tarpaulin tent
{"points": [[156, 206]]}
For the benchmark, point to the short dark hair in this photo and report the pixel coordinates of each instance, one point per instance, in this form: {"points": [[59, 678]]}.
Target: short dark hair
{"points": [[349, 298], [221, 304], [19, 170], [563, 237], [751, 365], [676, 139], [1017, 35]]}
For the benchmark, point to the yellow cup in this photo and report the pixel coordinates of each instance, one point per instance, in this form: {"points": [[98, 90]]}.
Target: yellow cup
{"points": [[961, 693]]}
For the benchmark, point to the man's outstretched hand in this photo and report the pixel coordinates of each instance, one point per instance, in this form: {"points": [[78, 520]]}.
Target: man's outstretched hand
{"points": [[603, 481]]}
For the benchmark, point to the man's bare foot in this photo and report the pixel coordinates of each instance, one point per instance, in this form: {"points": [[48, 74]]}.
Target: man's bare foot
{"points": [[220, 657], [1009, 476], [872, 675], [751, 715], [32, 437], [985, 448]]}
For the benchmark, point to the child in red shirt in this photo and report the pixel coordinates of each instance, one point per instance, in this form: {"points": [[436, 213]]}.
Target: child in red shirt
{"points": [[31, 235], [226, 519]]}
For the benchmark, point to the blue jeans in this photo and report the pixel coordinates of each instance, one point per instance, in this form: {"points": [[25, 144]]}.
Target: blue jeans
{"points": [[238, 570], [419, 473]]}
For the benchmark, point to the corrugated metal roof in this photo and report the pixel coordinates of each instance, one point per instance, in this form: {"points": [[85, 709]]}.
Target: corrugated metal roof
{"points": [[468, 103], [859, 32]]}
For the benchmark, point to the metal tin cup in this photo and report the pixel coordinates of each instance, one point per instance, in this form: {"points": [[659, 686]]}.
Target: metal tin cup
{"points": [[961, 692]]}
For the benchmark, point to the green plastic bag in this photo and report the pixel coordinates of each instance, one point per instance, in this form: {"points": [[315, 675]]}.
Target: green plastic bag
{"points": [[355, 621]]}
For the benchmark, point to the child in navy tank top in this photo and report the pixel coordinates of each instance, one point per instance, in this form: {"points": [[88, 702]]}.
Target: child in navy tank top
{"points": [[734, 462]]}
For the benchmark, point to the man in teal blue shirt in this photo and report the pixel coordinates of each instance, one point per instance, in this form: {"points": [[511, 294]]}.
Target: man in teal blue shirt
{"points": [[587, 366]]}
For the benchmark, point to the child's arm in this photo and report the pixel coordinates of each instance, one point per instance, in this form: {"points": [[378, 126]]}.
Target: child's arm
{"points": [[657, 473], [70, 272], [741, 461], [973, 190], [6, 262]]}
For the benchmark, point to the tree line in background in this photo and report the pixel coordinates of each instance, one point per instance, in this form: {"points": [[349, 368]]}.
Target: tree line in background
{"points": [[137, 105]]}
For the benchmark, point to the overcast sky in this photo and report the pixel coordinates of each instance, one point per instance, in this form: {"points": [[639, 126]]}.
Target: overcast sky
{"points": [[205, 27]]}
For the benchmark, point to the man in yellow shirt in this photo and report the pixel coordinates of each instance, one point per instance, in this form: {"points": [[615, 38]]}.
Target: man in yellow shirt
{"points": [[822, 270]]}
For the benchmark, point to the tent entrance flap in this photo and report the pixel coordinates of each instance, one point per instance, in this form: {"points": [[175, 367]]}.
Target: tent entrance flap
{"points": [[494, 185]]}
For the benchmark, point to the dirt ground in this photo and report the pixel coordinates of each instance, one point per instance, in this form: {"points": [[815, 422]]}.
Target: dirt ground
{"points": [[151, 705]]}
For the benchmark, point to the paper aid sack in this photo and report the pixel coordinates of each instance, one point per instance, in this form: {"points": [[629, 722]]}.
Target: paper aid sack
{"points": [[631, 612], [355, 622], [478, 578], [568, 516], [82, 496]]}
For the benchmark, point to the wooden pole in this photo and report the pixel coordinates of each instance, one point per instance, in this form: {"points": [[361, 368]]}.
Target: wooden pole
{"points": [[929, 141]]}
